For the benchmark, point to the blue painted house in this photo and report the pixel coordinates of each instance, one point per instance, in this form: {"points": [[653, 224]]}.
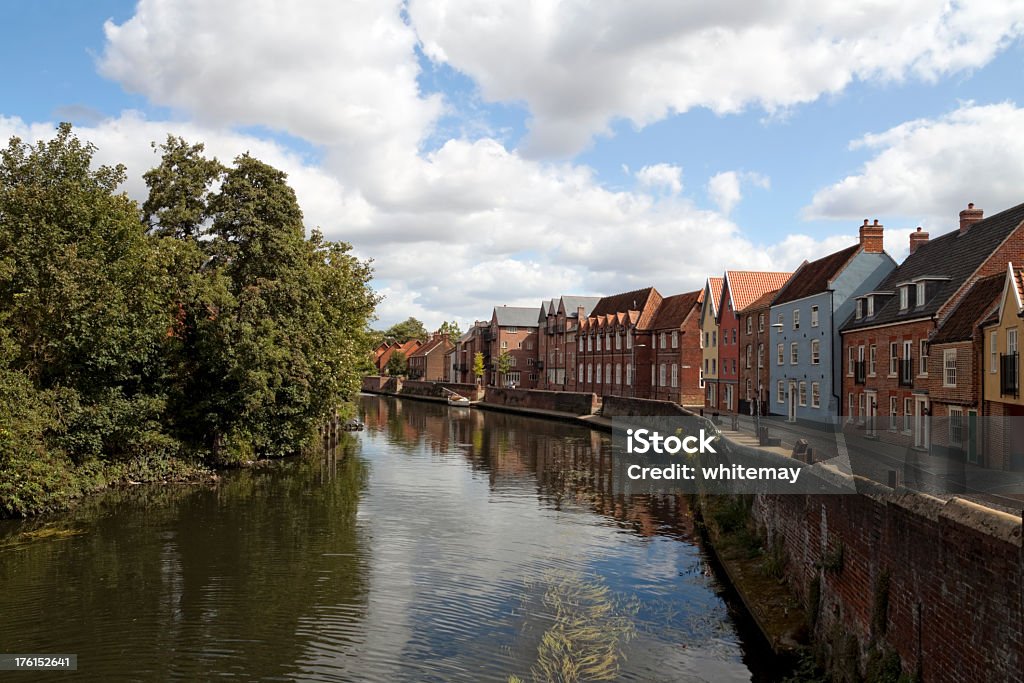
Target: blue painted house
{"points": [[804, 342]]}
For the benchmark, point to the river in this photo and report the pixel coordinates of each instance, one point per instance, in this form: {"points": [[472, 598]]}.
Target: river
{"points": [[440, 544]]}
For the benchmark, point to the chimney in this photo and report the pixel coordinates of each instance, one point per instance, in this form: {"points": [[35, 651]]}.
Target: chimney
{"points": [[871, 237], [917, 238], [969, 217]]}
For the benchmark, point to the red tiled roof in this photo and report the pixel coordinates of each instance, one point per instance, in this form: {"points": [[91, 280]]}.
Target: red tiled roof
{"points": [[716, 291], [971, 311], [814, 277], [429, 347], [746, 286], [763, 301], [674, 309]]}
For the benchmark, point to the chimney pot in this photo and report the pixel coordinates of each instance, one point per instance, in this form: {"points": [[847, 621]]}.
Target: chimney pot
{"points": [[969, 217], [871, 237]]}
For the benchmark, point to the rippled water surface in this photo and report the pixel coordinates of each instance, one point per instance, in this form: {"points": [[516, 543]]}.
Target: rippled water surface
{"points": [[441, 544]]}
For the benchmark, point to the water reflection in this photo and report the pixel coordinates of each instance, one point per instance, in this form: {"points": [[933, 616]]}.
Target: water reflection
{"points": [[441, 544]]}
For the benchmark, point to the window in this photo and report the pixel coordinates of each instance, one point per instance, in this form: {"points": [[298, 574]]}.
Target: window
{"points": [[815, 395], [629, 374], [750, 324], [780, 354], [581, 343], [618, 342], [860, 308], [1011, 340], [580, 375], [590, 343], [749, 354], [850, 408], [734, 335], [599, 338], [599, 373], [908, 410], [664, 340], [714, 337], [923, 370], [714, 366], [760, 355], [849, 361], [504, 344], [803, 394], [654, 380], [860, 408], [512, 378], [794, 353], [618, 373], [675, 375], [661, 375], [530, 361], [894, 359], [748, 389], [871, 306], [760, 322], [872, 356], [920, 295], [993, 352], [608, 373], [904, 298], [705, 365], [815, 352], [956, 426], [796, 319], [780, 392], [779, 321], [511, 330], [814, 316], [949, 368], [675, 339], [894, 409], [590, 372], [629, 339], [701, 381]]}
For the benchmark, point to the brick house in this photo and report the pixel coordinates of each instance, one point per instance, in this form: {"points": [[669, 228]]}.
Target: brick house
{"points": [[513, 331], [953, 389], [709, 339], [475, 340], [676, 343], [1002, 429], [885, 342], [755, 392], [804, 379], [406, 348], [740, 288], [613, 345], [427, 361], [556, 340]]}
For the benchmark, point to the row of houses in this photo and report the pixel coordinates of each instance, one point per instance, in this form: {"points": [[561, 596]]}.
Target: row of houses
{"points": [[853, 338]]}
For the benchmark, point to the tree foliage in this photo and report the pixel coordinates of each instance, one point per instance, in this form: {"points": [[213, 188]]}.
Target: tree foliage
{"points": [[478, 365], [451, 329], [202, 324], [397, 364], [504, 364], [411, 328]]}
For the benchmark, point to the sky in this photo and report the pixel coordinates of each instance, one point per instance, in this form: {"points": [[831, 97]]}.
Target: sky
{"points": [[511, 151]]}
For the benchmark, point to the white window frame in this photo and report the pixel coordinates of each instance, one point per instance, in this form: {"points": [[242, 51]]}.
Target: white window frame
{"points": [[871, 306], [749, 355], [675, 339], [780, 392], [949, 367], [850, 404], [662, 375], [908, 414], [815, 352], [802, 394], [814, 316], [849, 361], [872, 360], [796, 318], [674, 375], [815, 394], [904, 297], [629, 374], [894, 413], [894, 359], [781, 356], [920, 295], [922, 361], [861, 403], [750, 324], [1011, 340], [760, 355], [956, 426], [794, 353], [993, 351], [600, 372], [760, 322], [590, 373]]}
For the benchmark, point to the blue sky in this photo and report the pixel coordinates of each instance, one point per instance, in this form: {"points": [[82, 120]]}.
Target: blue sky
{"points": [[512, 152]]}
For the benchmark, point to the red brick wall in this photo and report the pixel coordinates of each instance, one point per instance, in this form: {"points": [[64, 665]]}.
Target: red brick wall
{"points": [[955, 577]]}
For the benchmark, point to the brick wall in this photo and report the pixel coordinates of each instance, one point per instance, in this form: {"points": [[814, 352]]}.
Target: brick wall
{"points": [[618, 406], [537, 399], [954, 571]]}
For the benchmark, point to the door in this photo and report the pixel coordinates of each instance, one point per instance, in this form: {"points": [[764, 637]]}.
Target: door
{"points": [[792, 401]]}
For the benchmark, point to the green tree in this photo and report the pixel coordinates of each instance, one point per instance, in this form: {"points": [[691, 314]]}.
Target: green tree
{"points": [[451, 329], [180, 189], [410, 328], [504, 365], [397, 364], [478, 366]]}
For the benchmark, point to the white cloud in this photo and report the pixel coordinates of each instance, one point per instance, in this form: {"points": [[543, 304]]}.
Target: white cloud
{"points": [[925, 171], [578, 66], [661, 175], [725, 191]]}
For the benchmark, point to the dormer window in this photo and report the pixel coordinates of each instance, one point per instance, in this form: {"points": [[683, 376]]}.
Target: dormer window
{"points": [[904, 297], [860, 308], [871, 306], [920, 294]]}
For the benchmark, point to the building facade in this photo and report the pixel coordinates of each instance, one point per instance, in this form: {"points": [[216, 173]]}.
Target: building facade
{"points": [[709, 340], [556, 340], [1002, 429], [755, 391], [613, 345], [512, 334], [677, 353]]}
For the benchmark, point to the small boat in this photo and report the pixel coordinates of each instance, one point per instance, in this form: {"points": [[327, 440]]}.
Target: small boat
{"points": [[455, 399]]}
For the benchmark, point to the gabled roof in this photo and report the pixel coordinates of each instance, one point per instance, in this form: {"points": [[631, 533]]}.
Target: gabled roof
{"points": [[1013, 281], [640, 300], [816, 277], [715, 285], [571, 303], [981, 298], [515, 316], [747, 286], [956, 255], [673, 310], [763, 301]]}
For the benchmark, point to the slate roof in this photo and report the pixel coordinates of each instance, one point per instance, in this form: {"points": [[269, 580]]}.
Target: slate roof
{"points": [[674, 309], [747, 286], [954, 255], [763, 301], [814, 277], [972, 309], [572, 303], [515, 316]]}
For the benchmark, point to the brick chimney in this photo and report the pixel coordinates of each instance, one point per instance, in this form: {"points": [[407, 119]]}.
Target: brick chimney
{"points": [[969, 217], [917, 238], [871, 237]]}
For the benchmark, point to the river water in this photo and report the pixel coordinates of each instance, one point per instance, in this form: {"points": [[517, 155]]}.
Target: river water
{"points": [[441, 544]]}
